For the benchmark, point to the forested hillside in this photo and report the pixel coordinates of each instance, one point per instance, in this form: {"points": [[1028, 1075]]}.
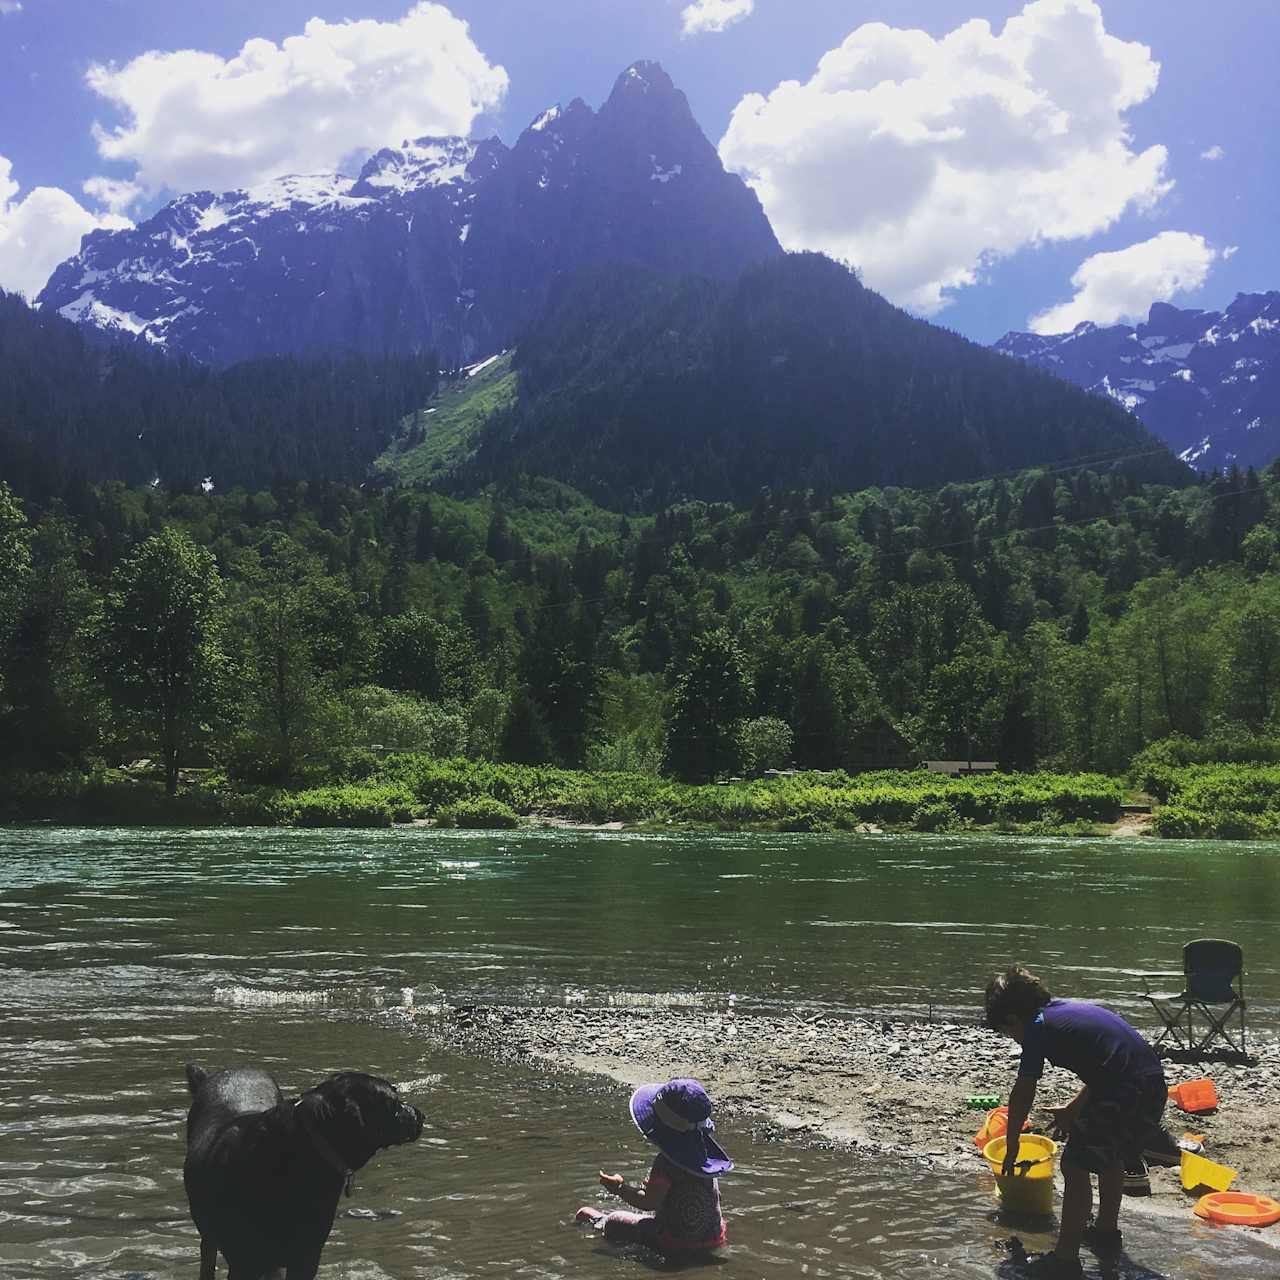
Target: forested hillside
{"points": [[1060, 618], [75, 408], [642, 389]]}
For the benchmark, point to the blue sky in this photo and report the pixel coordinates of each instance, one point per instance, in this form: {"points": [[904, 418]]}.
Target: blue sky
{"points": [[1083, 161]]}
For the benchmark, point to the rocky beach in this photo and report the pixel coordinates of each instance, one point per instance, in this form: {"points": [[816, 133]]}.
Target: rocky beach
{"points": [[873, 1085]]}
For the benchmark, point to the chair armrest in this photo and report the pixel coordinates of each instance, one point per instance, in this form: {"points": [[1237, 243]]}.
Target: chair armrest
{"points": [[1164, 974]]}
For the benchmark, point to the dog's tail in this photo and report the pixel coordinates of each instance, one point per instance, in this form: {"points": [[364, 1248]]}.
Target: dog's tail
{"points": [[196, 1076]]}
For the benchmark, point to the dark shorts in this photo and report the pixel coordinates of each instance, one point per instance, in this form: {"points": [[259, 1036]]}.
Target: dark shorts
{"points": [[1118, 1125]]}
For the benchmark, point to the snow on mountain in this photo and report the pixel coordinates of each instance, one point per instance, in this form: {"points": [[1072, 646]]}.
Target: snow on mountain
{"points": [[441, 244], [1206, 382]]}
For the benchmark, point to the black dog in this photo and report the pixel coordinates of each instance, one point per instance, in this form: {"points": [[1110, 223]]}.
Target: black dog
{"points": [[264, 1175]]}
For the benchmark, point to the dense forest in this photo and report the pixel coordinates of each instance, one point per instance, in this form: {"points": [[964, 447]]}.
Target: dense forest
{"points": [[75, 408], [642, 390], [1054, 618]]}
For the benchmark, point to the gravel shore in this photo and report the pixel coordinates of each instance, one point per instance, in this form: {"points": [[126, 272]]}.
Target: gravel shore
{"points": [[896, 1088]]}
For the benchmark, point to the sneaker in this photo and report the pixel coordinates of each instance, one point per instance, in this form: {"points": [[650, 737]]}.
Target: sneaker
{"points": [[1103, 1241], [1137, 1181], [1052, 1266], [1162, 1149]]}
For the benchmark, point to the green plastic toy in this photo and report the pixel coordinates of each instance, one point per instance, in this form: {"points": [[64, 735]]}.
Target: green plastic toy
{"points": [[982, 1101]]}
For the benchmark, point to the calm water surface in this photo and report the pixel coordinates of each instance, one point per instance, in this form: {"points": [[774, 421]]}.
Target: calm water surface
{"points": [[127, 953]]}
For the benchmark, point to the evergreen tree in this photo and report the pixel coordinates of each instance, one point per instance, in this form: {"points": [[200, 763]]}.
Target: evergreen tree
{"points": [[709, 700], [163, 643]]}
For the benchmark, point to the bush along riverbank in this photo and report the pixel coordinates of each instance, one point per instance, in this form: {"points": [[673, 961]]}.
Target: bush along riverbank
{"points": [[476, 794]]}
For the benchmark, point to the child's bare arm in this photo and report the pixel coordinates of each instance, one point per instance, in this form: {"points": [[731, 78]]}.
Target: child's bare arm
{"points": [[1021, 1098], [648, 1196], [1064, 1117]]}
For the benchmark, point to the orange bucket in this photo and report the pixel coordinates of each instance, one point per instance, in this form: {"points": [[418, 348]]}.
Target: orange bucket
{"points": [[1195, 1095], [996, 1125]]}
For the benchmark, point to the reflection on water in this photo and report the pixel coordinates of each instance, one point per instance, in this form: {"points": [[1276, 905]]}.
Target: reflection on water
{"points": [[127, 954]]}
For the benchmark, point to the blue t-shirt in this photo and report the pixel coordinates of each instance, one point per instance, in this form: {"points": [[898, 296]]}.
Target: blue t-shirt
{"points": [[1097, 1045]]}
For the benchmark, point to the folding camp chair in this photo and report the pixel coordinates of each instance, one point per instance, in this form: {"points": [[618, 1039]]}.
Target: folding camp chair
{"points": [[1213, 976]]}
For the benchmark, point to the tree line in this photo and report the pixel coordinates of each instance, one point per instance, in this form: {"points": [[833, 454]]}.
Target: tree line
{"points": [[1062, 619]]}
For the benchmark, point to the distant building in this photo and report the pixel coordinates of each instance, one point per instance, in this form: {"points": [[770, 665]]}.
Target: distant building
{"points": [[954, 767]]}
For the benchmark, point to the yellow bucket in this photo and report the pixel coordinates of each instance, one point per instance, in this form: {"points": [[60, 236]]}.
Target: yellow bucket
{"points": [[1199, 1172], [1030, 1190]]}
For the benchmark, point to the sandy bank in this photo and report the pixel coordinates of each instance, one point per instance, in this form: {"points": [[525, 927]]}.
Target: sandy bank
{"points": [[895, 1088]]}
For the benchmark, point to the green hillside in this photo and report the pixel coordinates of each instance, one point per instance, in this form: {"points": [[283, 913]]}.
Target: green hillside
{"points": [[442, 436], [642, 390]]}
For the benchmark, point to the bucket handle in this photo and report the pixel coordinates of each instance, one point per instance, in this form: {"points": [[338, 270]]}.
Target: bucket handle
{"points": [[1024, 1166]]}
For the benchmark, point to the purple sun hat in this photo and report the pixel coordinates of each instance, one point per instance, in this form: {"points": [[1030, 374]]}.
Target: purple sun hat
{"points": [[676, 1116]]}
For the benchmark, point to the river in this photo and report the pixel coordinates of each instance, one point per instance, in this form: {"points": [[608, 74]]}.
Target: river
{"points": [[127, 953]]}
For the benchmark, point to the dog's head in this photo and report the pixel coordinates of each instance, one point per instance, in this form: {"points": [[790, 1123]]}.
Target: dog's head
{"points": [[359, 1114]]}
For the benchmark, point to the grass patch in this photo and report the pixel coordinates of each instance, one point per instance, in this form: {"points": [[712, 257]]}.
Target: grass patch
{"points": [[441, 437]]}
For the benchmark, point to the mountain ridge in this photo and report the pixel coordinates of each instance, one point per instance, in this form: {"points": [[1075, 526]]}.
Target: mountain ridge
{"points": [[1206, 382], [440, 244]]}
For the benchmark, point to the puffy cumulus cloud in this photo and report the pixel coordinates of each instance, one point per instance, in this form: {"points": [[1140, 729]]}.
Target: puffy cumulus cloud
{"points": [[920, 160], [116, 195], [40, 231], [714, 15], [195, 120], [1122, 285], [1214, 152]]}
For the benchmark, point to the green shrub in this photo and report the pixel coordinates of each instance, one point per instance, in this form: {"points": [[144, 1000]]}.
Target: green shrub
{"points": [[345, 806], [480, 813], [935, 815]]}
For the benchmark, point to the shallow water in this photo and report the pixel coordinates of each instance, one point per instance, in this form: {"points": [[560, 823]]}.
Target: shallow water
{"points": [[127, 953]]}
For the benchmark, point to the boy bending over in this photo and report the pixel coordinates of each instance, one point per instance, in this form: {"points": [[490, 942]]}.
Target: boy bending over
{"points": [[1114, 1119]]}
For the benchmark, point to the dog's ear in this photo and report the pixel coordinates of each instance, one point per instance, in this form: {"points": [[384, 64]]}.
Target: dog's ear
{"points": [[316, 1106], [196, 1076]]}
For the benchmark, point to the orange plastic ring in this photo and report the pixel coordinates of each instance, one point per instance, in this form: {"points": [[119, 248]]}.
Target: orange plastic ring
{"points": [[1238, 1208]]}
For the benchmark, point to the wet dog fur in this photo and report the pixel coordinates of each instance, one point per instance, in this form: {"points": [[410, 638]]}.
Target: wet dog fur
{"points": [[264, 1173]]}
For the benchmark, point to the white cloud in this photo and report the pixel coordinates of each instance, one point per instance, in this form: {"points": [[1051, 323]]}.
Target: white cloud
{"points": [[40, 231], [10, 6], [1215, 152], [714, 15], [1122, 285], [195, 120], [921, 160], [116, 195]]}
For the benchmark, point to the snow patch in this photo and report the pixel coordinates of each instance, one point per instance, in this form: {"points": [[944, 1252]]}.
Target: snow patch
{"points": [[549, 116], [472, 369], [88, 308], [431, 162], [301, 188], [1196, 451], [660, 174], [1184, 374], [212, 218]]}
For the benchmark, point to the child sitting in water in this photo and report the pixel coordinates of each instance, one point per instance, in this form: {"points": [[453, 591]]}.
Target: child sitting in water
{"points": [[680, 1197], [1114, 1119]]}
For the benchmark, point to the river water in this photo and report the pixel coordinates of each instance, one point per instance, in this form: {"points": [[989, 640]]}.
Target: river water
{"points": [[126, 953]]}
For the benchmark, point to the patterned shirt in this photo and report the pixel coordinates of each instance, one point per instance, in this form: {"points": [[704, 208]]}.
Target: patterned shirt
{"points": [[689, 1217]]}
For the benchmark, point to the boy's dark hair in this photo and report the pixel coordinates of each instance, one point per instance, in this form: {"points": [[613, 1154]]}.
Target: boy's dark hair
{"points": [[1014, 992]]}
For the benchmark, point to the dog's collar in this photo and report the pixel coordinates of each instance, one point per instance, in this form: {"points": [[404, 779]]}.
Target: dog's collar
{"points": [[324, 1149]]}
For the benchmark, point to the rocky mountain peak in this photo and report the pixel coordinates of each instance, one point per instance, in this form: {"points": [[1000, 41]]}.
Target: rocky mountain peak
{"points": [[1206, 382], [643, 78], [445, 244]]}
